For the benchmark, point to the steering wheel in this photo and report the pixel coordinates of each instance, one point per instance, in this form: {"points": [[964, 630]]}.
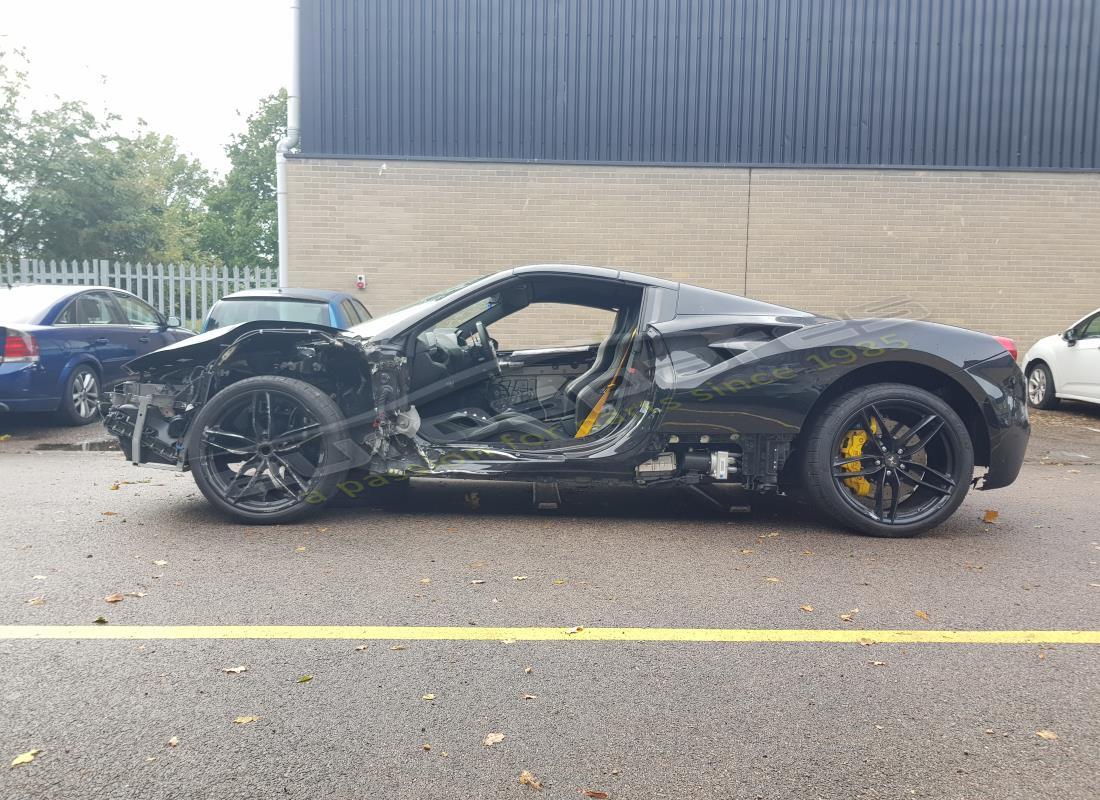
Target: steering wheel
{"points": [[489, 353]]}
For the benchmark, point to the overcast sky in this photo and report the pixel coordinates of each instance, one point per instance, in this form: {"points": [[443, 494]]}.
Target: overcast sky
{"points": [[190, 68]]}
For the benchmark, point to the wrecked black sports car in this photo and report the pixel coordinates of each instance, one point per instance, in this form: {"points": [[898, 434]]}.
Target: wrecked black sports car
{"points": [[880, 422]]}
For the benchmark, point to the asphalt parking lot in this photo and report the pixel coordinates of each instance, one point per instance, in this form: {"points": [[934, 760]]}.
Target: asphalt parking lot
{"points": [[395, 715]]}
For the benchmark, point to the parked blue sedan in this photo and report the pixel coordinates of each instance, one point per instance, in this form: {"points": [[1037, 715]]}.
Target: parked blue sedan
{"points": [[311, 306], [63, 344]]}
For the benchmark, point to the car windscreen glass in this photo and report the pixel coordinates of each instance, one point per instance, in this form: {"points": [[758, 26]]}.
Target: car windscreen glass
{"points": [[249, 309], [17, 305], [411, 311]]}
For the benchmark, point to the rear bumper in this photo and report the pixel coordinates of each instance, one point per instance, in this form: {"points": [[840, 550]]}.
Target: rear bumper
{"points": [[1004, 409], [21, 389]]}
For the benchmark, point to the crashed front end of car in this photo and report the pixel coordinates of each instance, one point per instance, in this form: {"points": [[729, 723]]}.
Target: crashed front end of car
{"points": [[153, 415]]}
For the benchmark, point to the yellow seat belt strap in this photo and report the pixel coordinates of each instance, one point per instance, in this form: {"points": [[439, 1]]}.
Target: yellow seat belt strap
{"points": [[594, 414]]}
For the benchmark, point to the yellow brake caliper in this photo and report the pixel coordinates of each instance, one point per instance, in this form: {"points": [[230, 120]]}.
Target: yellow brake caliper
{"points": [[850, 448]]}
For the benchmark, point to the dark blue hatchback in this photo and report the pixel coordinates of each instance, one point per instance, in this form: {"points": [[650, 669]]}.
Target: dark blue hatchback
{"points": [[62, 345]]}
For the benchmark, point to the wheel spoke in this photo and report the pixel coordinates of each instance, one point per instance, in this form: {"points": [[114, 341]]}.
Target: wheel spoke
{"points": [[257, 431], [871, 420], [242, 445], [277, 480], [895, 492], [234, 491], [292, 440], [924, 431], [290, 471], [880, 486], [920, 482]]}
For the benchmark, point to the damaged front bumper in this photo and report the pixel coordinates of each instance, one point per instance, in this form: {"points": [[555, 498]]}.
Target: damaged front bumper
{"points": [[149, 422]]}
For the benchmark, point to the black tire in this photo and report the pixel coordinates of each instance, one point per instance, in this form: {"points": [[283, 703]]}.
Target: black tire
{"points": [[80, 397], [1040, 387], [264, 450], [929, 476]]}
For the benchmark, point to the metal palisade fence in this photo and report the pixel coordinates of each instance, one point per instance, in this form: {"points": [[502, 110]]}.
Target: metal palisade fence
{"points": [[182, 290]]}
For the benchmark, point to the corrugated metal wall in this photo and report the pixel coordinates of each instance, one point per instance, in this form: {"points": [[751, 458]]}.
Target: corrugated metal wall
{"points": [[946, 83]]}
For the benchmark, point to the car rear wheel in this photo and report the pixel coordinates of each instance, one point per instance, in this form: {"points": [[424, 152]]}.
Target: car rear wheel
{"points": [[888, 460], [264, 450], [1040, 387], [80, 400]]}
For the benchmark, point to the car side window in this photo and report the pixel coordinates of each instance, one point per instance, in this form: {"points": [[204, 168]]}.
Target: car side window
{"points": [[138, 312], [350, 311], [1090, 328], [96, 308], [364, 315], [71, 315]]}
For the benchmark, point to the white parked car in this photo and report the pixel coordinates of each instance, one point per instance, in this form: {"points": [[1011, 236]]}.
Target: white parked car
{"points": [[1065, 366]]}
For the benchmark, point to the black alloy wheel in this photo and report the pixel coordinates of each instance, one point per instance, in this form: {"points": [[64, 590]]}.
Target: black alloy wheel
{"points": [[889, 460], [263, 450]]}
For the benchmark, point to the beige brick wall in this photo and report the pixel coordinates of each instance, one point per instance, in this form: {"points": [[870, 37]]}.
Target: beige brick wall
{"points": [[1011, 253]]}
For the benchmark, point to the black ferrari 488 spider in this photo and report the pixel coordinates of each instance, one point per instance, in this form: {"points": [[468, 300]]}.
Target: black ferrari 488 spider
{"points": [[879, 422]]}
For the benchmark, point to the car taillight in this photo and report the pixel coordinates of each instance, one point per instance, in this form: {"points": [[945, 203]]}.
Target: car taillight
{"points": [[1008, 345], [20, 348]]}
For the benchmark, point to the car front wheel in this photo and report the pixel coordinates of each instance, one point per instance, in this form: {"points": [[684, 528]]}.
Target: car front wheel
{"points": [[264, 450], [888, 460]]}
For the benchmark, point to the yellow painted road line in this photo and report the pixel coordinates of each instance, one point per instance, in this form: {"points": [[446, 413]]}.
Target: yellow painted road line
{"points": [[472, 633]]}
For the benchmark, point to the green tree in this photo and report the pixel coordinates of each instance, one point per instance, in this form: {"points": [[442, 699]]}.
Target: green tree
{"points": [[241, 226], [73, 187]]}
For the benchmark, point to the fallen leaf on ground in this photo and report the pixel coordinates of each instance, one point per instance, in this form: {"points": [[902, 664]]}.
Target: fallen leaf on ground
{"points": [[425, 580], [807, 552], [990, 516], [4, 437], [427, 697], [360, 648], [100, 620], [746, 551], [135, 594], [559, 582], [576, 629], [477, 581], [117, 597], [299, 549], [877, 663], [807, 608], [245, 720], [25, 758], [426, 747], [304, 679], [235, 670], [866, 642], [527, 779], [161, 563], [1050, 736], [596, 794], [772, 580], [493, 738], [519, 577], [36, 601], [922, 614], [473, 501], [39, 577], [507, 641], [397, 647], [845, 617], [174, 741], [530, 697], [527, 670]]}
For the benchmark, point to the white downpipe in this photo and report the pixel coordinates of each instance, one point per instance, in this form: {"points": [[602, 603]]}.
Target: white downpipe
{"points": [[288, 142]]}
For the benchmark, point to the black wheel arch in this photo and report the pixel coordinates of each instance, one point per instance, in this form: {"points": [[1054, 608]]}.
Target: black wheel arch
{"points": [[922, 376]]}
